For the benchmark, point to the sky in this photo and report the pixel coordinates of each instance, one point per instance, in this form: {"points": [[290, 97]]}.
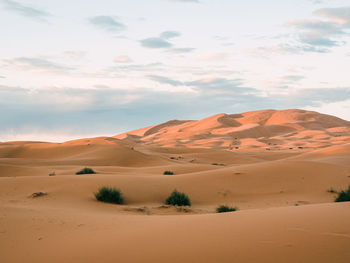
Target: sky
{"points": [[84, 68]]}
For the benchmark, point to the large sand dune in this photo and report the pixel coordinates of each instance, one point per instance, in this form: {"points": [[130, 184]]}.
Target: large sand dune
{"points": [[269, 129], [276, 166]]}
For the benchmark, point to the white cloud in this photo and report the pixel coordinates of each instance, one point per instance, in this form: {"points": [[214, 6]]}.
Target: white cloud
{"points": [[320, 33], [180, 50], [36, 64], [107, 23], [169, 34], [340, 15], [155, 42], [25, 10]]}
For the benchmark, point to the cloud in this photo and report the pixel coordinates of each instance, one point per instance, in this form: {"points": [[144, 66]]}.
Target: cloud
{"points": [[287, 49], [213, 56], [318, 96], [292, 78], [2, 77], [180, 50], [313, 35], [222, 86], [24, 10], [229, 88], [123, 59], [169, 34], [47, 110], [284, 83], [107, 23], [317, 32], [208, 85], [323, 34], [162, 41], [155, 42], [70, 99], [165, 80], [340, 15], [36, 64]]}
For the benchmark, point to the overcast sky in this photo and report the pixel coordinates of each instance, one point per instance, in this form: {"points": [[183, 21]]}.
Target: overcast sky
{"points": [[71, 69]]}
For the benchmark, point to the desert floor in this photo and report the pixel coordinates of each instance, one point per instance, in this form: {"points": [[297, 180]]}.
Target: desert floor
{"points": [[286, 213]]}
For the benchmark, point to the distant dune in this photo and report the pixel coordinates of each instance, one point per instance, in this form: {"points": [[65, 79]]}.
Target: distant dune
{"points": [[280, 168], [270, 129]]}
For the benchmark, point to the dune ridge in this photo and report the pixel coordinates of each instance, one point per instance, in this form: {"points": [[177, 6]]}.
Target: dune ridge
{"points": [[272, 129]]}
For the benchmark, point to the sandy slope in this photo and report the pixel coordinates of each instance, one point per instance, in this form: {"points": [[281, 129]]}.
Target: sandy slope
{"points": [[69, 225], [315, 233]]}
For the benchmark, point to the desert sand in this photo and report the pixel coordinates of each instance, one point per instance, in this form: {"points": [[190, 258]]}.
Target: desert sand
{"points": [[277, 167]]}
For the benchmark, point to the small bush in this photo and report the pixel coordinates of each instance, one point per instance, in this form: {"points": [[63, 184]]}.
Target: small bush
{"points": [[109, 195], [168, 173], [177, 198], [86, 171], [52, 174], [225, 209], [343, 196]]}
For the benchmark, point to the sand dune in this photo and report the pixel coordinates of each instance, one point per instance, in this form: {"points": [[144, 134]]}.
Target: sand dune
{"points": [[280, 130], [276, 166]]}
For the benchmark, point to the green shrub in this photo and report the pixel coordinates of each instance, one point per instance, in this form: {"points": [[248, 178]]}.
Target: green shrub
{"points": [[177, 198], [109, 195], [225, 209], [52, 174], [168, 173], [86, 171], [343, 196]]}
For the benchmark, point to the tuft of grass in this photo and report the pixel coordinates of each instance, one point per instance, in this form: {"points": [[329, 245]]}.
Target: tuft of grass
{"points": [[52, 174], [343, 196], [225, 209], [179, 199], [168, 173], [109, 195], [86, 170]]}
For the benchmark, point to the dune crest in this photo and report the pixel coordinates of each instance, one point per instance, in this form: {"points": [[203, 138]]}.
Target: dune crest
{"points": [[272, 129]]}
